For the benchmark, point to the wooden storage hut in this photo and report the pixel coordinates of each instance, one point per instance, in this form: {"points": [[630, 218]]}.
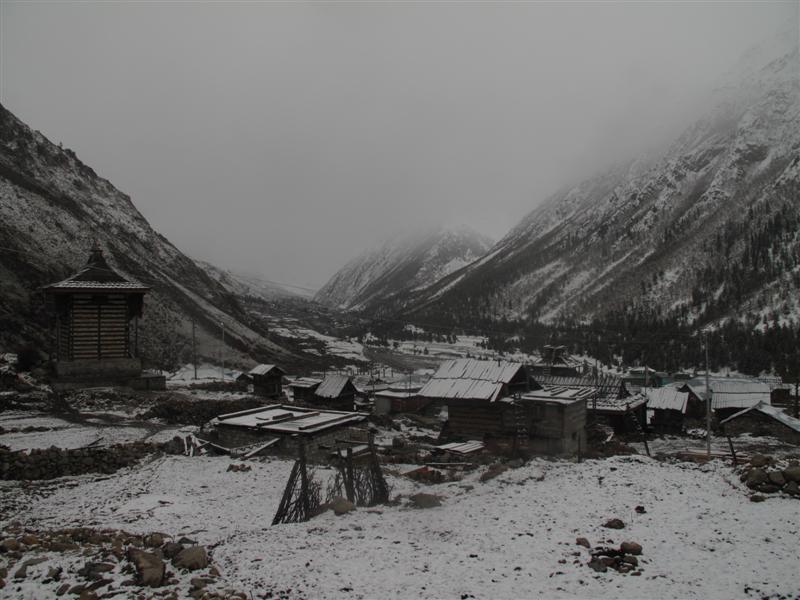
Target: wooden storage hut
{"points": [[555, 360], [336, 391], [303, 388], [97, 313], [669, 406], [399, 399], [267, 380]]}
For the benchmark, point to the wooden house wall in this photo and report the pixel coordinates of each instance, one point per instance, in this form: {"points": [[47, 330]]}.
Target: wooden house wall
{"points": [[268, 384], [96, 328], [667, 421], [475, 420]]}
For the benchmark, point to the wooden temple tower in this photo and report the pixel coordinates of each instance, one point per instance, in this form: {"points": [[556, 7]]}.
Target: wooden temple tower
{"points": [[97, 316]]}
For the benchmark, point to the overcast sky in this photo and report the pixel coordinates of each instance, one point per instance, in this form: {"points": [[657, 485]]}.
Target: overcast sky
{"points": [[284, 138]]}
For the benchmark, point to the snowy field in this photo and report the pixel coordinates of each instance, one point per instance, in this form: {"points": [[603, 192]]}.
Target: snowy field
{"points": [[512, 537]]}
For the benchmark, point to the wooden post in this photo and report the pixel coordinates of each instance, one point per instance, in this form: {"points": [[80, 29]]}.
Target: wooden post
{"points": [[349, 489], [733, 452], [304, 499]]}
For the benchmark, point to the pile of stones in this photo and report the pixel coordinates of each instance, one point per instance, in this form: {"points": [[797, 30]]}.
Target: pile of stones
{"points": [[624, 559], [764, 475], [92, 564]]}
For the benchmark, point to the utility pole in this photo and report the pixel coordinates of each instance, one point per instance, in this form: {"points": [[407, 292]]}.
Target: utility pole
{"points": [[194, 349], [708, 404], [222, 349]]}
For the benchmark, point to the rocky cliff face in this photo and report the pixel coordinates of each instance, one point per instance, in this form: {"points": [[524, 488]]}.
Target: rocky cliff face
{"points": [[52, 206], [709, 230], [403, 264]]}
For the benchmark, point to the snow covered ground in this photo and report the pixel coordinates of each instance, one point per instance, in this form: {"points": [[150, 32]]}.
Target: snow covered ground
{"points": [[511, 537]]}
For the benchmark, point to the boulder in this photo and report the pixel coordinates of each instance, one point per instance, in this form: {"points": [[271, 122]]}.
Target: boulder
{"points": [[756, 477], [171, 549], [792, 488], [757, 498], [768, 488], [598, 565], [150, 569], [631, 548], [192, 558], [9, 545], [776, 478], [614, 524], [631, 560], [759, 460], [154, 540], [582, 541], [792, 473], [342, 506]]}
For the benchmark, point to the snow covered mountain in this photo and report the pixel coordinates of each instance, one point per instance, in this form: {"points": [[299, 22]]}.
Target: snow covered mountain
{"points": [[52, 206], [403, 264], [709, 230]]}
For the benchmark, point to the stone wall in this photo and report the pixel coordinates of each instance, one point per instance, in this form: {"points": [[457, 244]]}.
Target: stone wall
{"points": [[57, 462]]}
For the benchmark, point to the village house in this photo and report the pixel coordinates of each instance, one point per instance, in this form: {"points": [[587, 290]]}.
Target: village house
{"points": [[399, 398], [303, 388], [279, 429], [609, 399], [728, 395], [763, 420], [644, 377], [267, 380], [97, 312], [336, 392], [668, 405], [491, 401], [555, 360]]}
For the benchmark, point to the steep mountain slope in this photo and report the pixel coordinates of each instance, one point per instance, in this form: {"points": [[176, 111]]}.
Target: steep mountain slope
{"points": [[52, 206], [401, 265], [242, 284], [707, 231]]}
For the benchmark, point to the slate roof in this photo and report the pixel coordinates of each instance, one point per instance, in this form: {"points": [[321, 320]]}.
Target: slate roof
{"points": [[97, 275]]}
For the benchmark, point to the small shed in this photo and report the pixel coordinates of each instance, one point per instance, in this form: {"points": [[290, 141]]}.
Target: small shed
{"points": [[335, 391], [399, 399], [555, 419], [555, 360], [267, 380], [303, 388], [669, 406], [763, 420]]}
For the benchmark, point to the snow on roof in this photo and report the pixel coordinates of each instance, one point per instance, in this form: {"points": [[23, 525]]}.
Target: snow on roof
{"points": [[462, 447], [667, 398], [770, 411], [461, 389], [305, 382], [332, 386], [402, 394], [264, 369], [616, 405], [499, 371], [70, 284], [279, 418], [557, 394], [731, 392], [470, 378]]}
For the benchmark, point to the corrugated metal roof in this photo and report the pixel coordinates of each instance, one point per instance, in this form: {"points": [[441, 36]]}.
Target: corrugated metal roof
{"points": [[667, 398], [332, 386], [770, 411], [470, 379], [69, 284], [263, 369], [499, 371]]}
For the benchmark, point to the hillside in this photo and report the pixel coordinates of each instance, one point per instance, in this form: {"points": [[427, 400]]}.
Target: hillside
{"points": [[52, 206], [707, 231], [402, 265]]}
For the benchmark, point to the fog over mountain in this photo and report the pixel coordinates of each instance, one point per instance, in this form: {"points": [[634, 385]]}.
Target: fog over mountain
{"points": [[284, 139]]}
